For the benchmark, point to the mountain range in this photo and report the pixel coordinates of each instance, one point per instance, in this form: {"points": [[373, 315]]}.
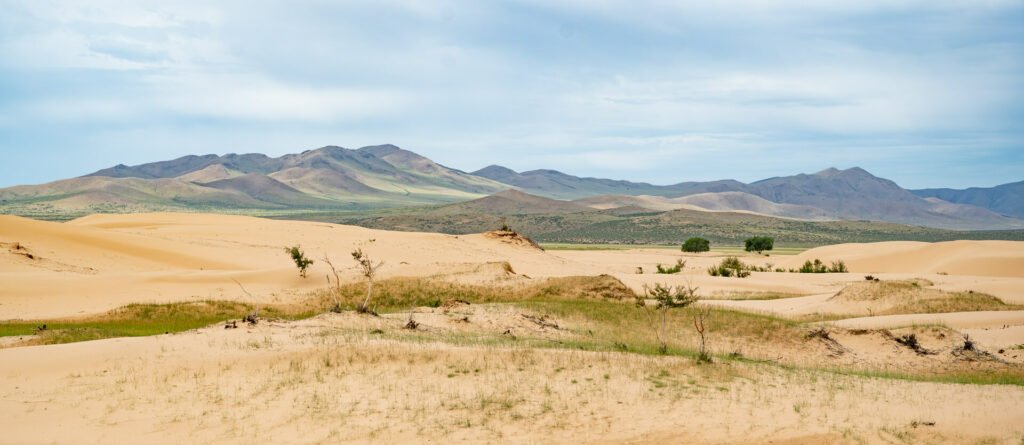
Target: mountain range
{"points": [[384, 176]]}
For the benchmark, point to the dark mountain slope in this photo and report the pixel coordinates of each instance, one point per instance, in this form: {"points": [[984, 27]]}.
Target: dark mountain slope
{"points": [[1006, 199]]}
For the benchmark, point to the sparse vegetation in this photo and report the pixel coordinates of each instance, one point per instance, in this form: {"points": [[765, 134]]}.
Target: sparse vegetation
{"points": [[369, 270], [665, 297], [817, 266], [299, 257], [136, 320], [334, 287], [730, 267], [680, 264], [696, 245]]}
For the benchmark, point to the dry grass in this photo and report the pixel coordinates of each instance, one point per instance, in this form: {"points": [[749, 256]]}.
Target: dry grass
{"points": [[400, 293]]}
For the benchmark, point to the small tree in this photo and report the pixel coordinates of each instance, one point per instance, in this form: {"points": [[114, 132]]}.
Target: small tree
{"points": [[369, 270], [300, 259], [696, 245], [335, 288], [759, 244], [699, 316], [665, 298]]}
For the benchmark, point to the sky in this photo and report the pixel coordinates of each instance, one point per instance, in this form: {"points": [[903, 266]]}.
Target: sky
{"points": [[926, 93]]}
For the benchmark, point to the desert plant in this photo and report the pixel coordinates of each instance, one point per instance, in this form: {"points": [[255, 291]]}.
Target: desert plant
{"points": [[335, 287], [730, 267], [696, 245], [254, 316], [368, 270], [699, 316], [819, 267], [838, 266], [680, 264], [759, 244], [412, 323], [665, 297], [300, 259]]}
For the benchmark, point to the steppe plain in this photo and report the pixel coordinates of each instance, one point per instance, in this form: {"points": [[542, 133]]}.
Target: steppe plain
{"points": [[514, 344]]}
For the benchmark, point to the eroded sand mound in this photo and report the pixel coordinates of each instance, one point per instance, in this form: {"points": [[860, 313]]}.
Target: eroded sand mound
{"points": [[981, 258]]}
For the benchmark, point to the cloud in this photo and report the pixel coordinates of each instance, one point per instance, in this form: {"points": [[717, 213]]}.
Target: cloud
{"points": [[592, 87]]}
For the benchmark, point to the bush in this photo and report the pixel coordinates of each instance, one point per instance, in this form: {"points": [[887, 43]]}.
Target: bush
{"points": [[819, 267], [696, 245], [680, 264], [759, 244], [730, 267]]}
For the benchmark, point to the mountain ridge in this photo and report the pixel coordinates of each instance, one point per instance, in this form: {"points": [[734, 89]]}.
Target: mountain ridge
{"points": [[334, 178]]}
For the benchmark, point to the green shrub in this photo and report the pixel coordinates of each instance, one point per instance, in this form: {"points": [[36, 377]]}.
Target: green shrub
{"points": [[819, 267], [680, 264], [730, 267], [696, 245]]}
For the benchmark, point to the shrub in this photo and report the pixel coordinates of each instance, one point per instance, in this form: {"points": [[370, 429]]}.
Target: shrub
{"points": [[680, 264], [759, 244], [696, 245], [819, 267], [730, 267], [300, 259]]}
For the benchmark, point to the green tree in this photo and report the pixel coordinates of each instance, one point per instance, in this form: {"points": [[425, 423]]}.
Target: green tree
{"points": [[369, 270], [300, 259], [759, 244], [665, 297], [696, 245]]}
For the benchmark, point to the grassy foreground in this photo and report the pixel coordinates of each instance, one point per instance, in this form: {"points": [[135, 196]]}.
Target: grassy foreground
{"points": [[597, 311]]}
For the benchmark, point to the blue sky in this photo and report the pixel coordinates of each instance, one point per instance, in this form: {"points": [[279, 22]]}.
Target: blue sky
{"points": [[927, 93]]}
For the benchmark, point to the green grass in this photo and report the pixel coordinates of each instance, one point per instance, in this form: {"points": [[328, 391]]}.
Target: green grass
{"points": [[974, 377], [597, 309], [715, 251], [570, 246], [136, 320]]}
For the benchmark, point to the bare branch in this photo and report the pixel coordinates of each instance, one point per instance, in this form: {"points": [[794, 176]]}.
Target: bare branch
{"points": [[257, 300]]}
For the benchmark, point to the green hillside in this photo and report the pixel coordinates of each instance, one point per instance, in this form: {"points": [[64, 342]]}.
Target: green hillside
{"points": [[607, 227]]}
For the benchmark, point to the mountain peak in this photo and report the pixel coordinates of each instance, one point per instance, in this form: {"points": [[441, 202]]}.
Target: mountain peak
{"points": [[382, 150], [497, 173], [850, 172]]}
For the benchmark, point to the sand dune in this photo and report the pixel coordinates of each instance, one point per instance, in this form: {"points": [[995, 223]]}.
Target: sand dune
{"points": [[100, 262], [981, 258]]}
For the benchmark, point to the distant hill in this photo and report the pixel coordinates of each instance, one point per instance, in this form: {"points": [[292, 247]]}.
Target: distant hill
{"points": [[512, 202], [331, 178], [721, 201], [638, 225], [558, 185], [852, 194], [1006, 199], [326, 178]]}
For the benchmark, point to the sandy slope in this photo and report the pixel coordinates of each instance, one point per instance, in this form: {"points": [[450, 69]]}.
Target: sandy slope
{"points": [[100, 262], [980, 258]]}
